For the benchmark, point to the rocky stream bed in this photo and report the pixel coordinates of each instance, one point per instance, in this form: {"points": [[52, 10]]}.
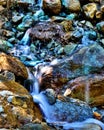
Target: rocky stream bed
{"points": [[52, 64]]}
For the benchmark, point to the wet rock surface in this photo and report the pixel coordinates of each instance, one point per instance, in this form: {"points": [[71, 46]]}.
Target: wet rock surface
{"points": [[14, 101], [12, 64]]}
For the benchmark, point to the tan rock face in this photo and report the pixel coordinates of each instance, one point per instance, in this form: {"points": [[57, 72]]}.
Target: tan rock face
{"points": [[90, 10], [13, 64], [88, 88], [72, 5], [52, 6], [16, 105]]}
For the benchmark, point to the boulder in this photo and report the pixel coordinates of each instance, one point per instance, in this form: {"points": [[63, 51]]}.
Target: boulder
{"points": [[72, 5], [14, 102], [66, 110], [13, 64], [48, 31], [100, 26], [52, 6], [90, 10], [88, 88]]}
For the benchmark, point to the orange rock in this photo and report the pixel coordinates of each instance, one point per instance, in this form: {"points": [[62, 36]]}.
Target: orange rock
{"points": [[13, 64], [97, 115]]}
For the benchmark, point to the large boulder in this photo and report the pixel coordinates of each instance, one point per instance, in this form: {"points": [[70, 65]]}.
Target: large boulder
{"points": [[13, 64], [16, 105], [48, 31], [88, 88], [66, 110]]}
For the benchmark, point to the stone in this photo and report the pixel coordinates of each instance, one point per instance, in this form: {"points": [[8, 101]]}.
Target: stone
{"points": [[14, 102], [69, 49], [52, 6], [90, 10], [100, 26], [8, 33], [6, 75], [88, 88], [5, 45], [68, 110], [17, 18], [48, 31], [98, 15], [36, 126], [13, 64], [1, 8], [26, 22], [71, 5]]}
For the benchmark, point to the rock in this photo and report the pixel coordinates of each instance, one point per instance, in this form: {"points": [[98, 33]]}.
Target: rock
{"points": [[72, 5], [68, 49], [6, 75], [4, 45], [68, 110], [14, 100], [26, 22], [17, 18], [88, 88], [1, 8], [38, 15], [48, 31], [52, 6], [13, 64], [67, 25], [8, 33], [37, 126], [100, 26], [102, 8], [98, 15], [90, 10], [1, 23]]}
